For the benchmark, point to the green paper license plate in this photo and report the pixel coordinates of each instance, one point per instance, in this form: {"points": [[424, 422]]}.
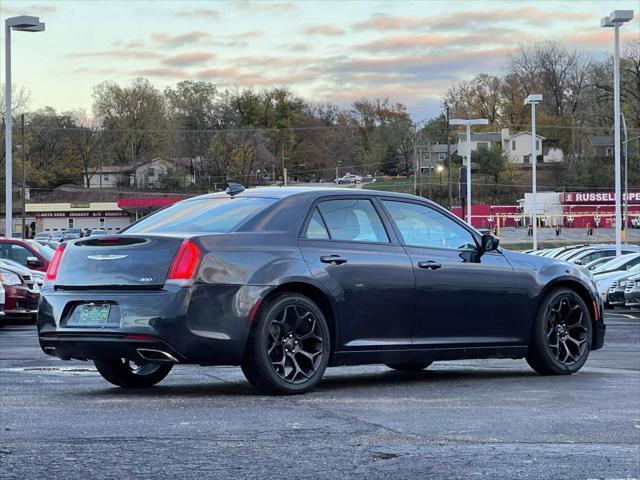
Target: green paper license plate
{"points": [[91, 315]]}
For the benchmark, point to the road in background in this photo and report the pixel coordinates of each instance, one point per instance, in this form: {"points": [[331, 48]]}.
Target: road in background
{"points": [[469, 419]]}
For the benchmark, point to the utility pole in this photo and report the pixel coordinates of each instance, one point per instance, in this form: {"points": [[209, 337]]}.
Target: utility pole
{"points": [[24, 176], [415, 162], [449, 163], [430, 171]]}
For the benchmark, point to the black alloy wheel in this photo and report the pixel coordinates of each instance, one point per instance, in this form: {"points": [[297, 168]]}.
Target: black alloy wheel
{"points": [[562, 335], [289, 347], [127, 373]]}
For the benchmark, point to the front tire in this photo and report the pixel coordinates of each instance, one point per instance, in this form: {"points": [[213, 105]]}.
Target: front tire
{"points": [[288, 350], [409, 367], [561, 339], [128, 374]]}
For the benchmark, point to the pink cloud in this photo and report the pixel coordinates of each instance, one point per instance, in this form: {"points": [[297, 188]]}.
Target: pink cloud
{"points": [[186, 59], [404, 42], [199, 12], [130, 53], [325, 29], [179, 40], [461, 19], [162, 72]]}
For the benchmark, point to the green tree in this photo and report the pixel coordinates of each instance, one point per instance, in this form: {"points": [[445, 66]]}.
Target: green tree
{"points": [[490, 161]]}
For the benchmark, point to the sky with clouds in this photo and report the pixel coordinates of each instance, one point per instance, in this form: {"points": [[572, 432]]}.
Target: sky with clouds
{"points": [[410, 51]]}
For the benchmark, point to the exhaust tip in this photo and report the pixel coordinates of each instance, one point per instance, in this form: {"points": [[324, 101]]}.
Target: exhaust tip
{"points": [[156, 356], [50, 350]]}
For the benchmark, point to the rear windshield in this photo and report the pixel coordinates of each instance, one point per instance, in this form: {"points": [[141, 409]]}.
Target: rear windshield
{"points": [[208, 215]]}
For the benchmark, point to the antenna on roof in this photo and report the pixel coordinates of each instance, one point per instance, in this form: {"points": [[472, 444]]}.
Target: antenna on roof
{"points": [[234, 189]]}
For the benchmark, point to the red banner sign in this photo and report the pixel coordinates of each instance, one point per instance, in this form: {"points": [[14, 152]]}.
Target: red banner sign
{"points": [[596, 197]]}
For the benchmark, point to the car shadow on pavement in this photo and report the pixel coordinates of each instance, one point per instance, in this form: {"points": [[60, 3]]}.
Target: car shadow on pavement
{"points": [[331, 382]]}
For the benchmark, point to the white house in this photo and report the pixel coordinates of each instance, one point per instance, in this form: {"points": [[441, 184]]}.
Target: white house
{"points": [[143, 175], [111, 176], [516, 146]]}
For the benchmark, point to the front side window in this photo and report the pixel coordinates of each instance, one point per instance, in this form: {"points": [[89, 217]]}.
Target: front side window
{"points": [[421, 226], [206, 215], [353, 220]]}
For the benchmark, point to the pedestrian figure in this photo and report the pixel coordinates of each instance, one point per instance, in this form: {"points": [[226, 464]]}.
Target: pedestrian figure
{"points": [[530, 230]]}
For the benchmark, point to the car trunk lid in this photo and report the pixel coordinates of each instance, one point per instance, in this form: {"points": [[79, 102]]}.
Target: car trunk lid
{"points": [[122, 261]]}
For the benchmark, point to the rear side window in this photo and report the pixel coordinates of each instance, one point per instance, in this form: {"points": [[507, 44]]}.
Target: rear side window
{"points": [[316, 228], [207, 215], [353, 220]]}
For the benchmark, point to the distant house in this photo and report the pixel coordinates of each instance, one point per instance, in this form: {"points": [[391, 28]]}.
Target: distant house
{"points": [[146, 174], [436, 154], [600, 147], [111, 176], [516, 146]]}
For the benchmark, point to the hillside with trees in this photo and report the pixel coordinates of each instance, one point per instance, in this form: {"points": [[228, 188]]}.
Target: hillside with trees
{"points": [[248, 135]]}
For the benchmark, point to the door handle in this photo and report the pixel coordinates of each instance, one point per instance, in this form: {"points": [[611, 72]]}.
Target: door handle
{"points": [[333, 259], [430, 265]]}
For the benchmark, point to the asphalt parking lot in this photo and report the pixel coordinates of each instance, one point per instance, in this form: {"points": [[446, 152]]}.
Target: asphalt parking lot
{"points": [[470, 419]]}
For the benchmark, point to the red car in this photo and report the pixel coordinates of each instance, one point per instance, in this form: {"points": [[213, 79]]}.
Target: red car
{"points": [[28, 253], [21, 291]]}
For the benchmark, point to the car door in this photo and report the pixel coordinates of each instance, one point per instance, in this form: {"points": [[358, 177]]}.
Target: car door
{"points": [[349, 250], [463, 297]]}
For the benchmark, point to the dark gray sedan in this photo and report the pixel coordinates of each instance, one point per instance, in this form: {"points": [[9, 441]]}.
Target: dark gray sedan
{"points": [[288, 281]]}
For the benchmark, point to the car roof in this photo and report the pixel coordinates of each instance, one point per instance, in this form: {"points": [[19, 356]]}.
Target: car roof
{"points": [[282, 192]]}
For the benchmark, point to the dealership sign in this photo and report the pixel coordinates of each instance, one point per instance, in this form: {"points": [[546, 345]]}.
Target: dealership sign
{"points": [[596, 197]]}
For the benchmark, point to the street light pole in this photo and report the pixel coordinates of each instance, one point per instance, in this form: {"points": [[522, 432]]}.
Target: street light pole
{"points": [[22, 23], [468, 123], [615, 19], [626, 179], [533, 100], [24, 180]]}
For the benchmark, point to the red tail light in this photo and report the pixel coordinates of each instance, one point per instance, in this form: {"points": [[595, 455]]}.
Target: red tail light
{"points": [[52, 270], [185, 262]]}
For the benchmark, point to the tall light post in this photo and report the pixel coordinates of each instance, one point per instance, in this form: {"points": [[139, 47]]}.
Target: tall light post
{"points": [[626, 179], [22, 23], [533, 100], [468, 123], [615, 19]]}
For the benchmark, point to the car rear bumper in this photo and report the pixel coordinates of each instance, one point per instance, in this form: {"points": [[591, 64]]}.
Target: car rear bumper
{"points": [[201, 324]]}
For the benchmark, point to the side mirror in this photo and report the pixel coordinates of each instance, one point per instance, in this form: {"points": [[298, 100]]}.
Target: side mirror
{"points": [[489, 242], [33, 262]]}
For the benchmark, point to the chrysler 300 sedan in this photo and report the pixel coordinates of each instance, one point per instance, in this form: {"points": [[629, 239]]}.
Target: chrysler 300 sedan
{"points": [[288, 281]]}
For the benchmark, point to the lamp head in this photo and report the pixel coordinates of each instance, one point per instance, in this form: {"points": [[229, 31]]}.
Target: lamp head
{"points": [[25, 23], [533, 98]]}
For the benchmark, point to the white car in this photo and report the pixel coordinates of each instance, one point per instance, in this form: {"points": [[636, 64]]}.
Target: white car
{"points": [[605, 280], [349, 178]]}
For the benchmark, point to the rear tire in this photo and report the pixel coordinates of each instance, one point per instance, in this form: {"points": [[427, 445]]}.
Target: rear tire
{"points": [[409, 366], [289, 347], [124, 373], [562, 334]]}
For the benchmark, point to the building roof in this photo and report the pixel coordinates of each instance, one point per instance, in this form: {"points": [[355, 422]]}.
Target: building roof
{"points": [[442, 148], [482, 137], [604, 140], [71, 207], [112, 169], [525, 132]]}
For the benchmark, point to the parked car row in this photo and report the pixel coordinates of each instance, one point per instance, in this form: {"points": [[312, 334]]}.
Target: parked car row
{"points": [[617, 279], [22, 269]]}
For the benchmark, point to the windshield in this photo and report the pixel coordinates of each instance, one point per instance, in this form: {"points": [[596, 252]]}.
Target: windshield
{"points": [[615, 263], [46, 252], [206, 215]]}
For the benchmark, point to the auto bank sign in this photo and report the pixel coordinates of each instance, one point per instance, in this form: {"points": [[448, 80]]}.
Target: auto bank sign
{"points": [[596, 197]]}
